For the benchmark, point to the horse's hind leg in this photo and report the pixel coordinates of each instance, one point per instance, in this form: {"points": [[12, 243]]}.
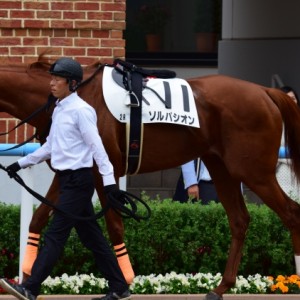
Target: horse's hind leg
{"points": [[229, 193], [287, 209], [115, 228], [38, 222]]}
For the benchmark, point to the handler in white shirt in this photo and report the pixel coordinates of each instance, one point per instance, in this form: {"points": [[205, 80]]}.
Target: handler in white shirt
{"points": [[72, 145]]}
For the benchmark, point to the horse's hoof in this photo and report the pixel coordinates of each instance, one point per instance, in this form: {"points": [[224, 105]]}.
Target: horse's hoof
{"points": [[212, 296]]}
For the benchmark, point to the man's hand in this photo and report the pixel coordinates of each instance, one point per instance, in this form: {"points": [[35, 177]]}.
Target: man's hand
{"points": [[13, 169], [112, 188], [193, 192], [124, 203], [114, 192]]}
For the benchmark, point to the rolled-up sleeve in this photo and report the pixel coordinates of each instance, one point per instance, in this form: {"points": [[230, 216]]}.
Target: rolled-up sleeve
{"points": [[189, 174]]}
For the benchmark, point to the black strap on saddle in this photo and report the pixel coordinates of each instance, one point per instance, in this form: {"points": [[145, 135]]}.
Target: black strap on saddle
{"points": [[125, 66], [133, 82]]}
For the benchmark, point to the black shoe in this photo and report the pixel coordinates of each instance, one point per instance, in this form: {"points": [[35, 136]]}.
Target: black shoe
{"points": [[115, 296], [17, 290]]}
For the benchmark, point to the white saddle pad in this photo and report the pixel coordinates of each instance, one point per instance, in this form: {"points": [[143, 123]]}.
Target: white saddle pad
{"points": [[182, 112]]}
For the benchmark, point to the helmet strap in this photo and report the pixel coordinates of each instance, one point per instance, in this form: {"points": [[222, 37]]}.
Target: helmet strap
{"points": [[72, 87]]}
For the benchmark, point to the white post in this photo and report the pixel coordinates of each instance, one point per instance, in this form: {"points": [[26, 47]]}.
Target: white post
{"points": [[25, 216]]}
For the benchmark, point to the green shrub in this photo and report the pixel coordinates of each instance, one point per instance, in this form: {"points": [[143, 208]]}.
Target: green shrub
{"points": [[190, 238], [9, 240], [184, 238]]}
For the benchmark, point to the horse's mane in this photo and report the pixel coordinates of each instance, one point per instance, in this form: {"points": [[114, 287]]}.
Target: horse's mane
{"points": [[43, 63]]}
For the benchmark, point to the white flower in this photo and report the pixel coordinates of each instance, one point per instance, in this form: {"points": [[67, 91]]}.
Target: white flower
{"points": [[169, 283]]}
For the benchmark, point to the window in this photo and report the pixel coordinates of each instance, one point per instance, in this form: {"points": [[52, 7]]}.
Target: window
{"points": [[173, 31]]}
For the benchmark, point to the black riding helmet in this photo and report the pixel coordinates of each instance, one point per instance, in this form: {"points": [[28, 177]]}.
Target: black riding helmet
{"points": [[69, 69]]}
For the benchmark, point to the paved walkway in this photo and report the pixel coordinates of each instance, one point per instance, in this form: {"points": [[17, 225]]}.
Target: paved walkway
{"points": [[167, 297]]}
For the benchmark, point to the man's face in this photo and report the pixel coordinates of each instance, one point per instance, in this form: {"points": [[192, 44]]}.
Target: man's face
{"points": [[59, 87]]}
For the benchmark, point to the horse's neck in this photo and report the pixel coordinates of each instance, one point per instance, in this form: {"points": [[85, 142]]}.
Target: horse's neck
{"points": [[21, 94]]}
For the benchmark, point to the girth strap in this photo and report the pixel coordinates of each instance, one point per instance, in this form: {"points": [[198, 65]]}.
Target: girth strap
{"points": [[133, 83], [135, 129]]}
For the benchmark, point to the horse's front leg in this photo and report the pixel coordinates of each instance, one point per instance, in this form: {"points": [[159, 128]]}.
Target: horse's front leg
{"points": [[238, 218], [115, 229], [38, 222], [229, 192]]}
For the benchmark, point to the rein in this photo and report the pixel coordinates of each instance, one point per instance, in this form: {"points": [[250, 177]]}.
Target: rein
{"points": [[125, 207], [99, 68], [46, 107]]}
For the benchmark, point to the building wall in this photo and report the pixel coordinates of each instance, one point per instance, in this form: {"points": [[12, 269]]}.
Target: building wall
{"points": [[86, 30], [256, 45]]}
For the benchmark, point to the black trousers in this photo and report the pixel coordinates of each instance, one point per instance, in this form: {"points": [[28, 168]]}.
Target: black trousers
{"points": [[76, 191], [207, 192]]}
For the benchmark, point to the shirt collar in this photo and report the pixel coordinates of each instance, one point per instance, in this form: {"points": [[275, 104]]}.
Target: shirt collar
{"points": [[66, 100]]}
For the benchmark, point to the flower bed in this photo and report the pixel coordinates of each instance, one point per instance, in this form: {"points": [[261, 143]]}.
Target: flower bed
{"points": [[172, 283]]}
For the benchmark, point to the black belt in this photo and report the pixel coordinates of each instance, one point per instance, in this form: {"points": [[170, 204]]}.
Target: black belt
{"points": [[69, 171]]}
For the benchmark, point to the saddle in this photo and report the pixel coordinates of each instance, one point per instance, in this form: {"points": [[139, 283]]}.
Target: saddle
{"points": [[133, 79], [125, 74]]}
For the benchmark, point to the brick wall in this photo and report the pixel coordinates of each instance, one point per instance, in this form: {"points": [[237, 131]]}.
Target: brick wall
{"points": [[17, 136], [87, 30]]}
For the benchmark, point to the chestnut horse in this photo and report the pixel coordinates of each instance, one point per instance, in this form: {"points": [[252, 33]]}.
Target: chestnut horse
{"points": [[239, 138]]}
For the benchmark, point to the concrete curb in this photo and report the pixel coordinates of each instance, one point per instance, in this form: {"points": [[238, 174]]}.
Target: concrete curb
{"points": [[169, 297]]}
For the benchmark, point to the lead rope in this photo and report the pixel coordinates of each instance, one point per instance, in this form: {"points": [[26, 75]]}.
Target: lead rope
{"points": [[46, 107], [126, 206]]}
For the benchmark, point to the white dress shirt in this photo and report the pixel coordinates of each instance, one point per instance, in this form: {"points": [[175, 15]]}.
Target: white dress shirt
{"points": [[190, 174], [73, 141]]}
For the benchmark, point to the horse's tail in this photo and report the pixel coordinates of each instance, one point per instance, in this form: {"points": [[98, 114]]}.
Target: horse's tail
{"points": [[290, 113]]}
